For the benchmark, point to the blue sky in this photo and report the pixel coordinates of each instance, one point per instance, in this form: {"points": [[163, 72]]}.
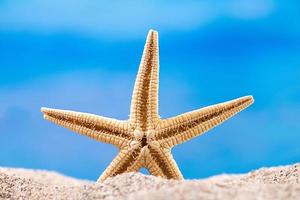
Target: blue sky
{"points": [[84, 56]]}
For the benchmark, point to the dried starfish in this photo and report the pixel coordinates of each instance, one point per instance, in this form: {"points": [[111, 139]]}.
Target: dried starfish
{"points": [[145, 140]]}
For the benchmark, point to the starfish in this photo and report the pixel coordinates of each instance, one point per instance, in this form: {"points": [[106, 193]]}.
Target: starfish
{"points": [[145, 140]]}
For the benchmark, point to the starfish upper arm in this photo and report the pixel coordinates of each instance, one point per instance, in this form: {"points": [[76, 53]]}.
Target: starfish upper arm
{"points": [[100, 128], [181, 128], [144, 103]]}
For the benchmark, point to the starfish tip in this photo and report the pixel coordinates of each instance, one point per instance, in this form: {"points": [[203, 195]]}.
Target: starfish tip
{"points": [[44, 109], [152, 32], [250, 98]]}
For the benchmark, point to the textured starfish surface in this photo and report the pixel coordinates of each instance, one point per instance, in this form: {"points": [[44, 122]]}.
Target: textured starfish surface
{"points": [[145, 140]]}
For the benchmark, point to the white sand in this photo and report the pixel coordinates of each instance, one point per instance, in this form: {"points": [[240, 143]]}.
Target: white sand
{"points": [[266, 183]]}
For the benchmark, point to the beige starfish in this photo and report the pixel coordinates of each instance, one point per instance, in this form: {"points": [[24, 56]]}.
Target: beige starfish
{"points": [[145, 140]]}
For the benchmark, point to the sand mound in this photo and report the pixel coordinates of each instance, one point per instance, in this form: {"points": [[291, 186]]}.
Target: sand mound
{"points": [[265, 183]]}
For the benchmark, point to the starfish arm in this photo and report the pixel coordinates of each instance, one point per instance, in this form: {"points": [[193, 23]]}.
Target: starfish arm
{"points": [[160, 162], [184, 127], [144, 103], [125, 161], [100, 128]]}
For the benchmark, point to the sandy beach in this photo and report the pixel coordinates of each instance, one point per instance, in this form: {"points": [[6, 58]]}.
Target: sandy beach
{"points": [[266, 183]]}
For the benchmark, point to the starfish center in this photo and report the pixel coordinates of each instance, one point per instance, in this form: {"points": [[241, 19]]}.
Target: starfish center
{"points": [[144, 141], [144, 138]]}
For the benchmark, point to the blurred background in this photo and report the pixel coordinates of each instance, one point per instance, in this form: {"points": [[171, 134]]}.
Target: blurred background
{"points": [[84, 55]]}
